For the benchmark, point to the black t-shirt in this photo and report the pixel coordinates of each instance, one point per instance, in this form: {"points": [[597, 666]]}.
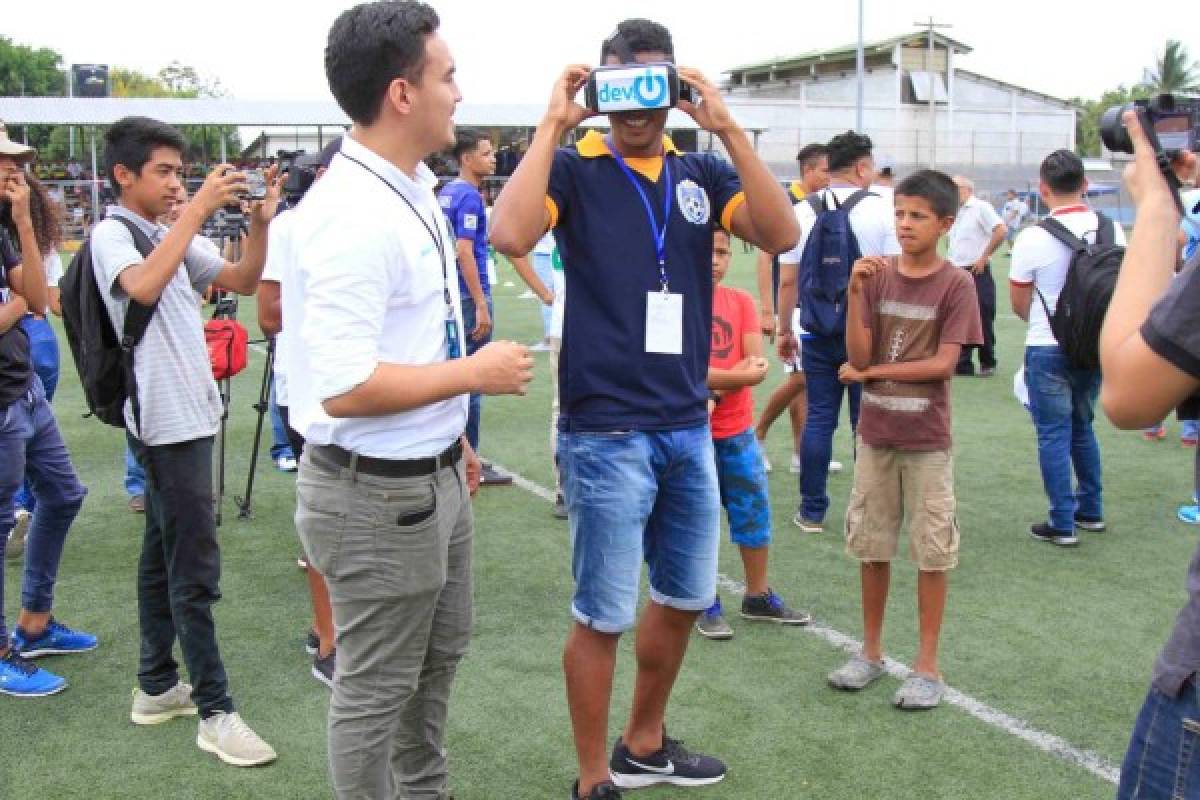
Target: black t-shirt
{"points": [[1173, 332], [16, 367]]}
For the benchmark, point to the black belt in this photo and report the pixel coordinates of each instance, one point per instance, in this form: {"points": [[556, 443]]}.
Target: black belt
{"points": [[387, 467]]}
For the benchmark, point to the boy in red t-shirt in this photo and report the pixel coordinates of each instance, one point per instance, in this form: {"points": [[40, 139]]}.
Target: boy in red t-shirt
{"points": [[735, 364], [906, 322]]}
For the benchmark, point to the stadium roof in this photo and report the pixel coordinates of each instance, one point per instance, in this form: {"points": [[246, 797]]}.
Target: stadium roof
{"points": [[848, 52], [88, 111]]}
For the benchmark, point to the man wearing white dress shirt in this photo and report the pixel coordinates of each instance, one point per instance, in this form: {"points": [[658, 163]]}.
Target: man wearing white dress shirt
{"points": [[977, 232], [378, 387]]}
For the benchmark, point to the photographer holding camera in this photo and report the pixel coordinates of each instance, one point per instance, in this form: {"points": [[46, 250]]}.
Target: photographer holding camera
{"points": [[1150, 354], [173, 418], [633, 219]]}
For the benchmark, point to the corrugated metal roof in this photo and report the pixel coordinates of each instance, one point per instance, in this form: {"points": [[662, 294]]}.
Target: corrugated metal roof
{"points": [[848, 51], [252, 113]]}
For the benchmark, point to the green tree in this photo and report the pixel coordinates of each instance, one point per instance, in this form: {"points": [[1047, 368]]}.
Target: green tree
{"points": [[1174, 71], [178, 80], [25, 72], [1087, 119]]}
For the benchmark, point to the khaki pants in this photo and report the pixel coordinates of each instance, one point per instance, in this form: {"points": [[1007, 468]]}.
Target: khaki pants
{"points": [[396, 555], [893, 485]]}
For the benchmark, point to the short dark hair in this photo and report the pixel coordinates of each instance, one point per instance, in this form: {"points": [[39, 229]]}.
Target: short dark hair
{"points": [[466, 140], [938, 188], [1063, 172], [847, 148], [640, 36], [370, 46], [132, 140], [810, 154]]}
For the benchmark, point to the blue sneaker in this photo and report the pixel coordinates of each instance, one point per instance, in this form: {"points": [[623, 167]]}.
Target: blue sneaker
{"points": [[1189, 514], [56, 640], [21, 678]]}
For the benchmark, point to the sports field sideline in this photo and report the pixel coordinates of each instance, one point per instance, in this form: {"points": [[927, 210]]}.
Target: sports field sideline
{"points": [[1056, 642]]}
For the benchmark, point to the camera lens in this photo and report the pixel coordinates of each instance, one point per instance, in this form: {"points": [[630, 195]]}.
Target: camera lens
{"points": [[1112, 130]]}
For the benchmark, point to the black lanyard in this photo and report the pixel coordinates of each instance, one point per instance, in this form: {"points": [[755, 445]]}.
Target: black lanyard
{"points": [[437, 240]]}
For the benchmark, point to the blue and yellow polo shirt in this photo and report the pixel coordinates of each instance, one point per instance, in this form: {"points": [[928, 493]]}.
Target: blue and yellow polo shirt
{"points": [[607, 380]]}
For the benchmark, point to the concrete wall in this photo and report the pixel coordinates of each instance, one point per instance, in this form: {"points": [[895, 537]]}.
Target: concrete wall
{"points": [[984, 125]]}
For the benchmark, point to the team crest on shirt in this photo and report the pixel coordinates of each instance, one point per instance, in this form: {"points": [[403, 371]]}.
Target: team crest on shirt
{"points": [[693, 202]]}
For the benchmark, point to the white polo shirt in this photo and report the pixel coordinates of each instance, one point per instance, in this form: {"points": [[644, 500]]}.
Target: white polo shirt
{"points": [[365, 286], [971, 232], [1039, 260], [873, 221]]}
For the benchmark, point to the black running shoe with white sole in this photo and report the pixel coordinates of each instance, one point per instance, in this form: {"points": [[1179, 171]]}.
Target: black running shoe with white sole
{"points": [[601, 791], [1045, 533], [672, 764]]}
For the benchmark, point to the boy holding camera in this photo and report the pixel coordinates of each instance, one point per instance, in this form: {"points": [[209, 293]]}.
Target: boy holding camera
{"points": [[907, 322], [178, 412]]}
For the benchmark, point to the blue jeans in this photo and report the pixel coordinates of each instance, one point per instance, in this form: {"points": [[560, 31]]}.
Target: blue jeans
{"points": [[1062, 400], [43, 351], [31, 444], [822, 357], [1163, 760], [135, 476], [634, 496], [281, 446], [475, 406]]}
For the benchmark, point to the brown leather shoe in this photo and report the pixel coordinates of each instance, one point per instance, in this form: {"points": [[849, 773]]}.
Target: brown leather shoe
{"points": [[137, 504]]}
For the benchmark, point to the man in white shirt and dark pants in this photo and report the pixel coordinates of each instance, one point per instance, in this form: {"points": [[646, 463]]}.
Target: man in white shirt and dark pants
{"points": [[378, 388], [977, 232]]}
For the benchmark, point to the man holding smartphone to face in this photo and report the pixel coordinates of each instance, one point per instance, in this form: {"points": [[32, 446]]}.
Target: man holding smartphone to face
{"points": [[633, 219]]}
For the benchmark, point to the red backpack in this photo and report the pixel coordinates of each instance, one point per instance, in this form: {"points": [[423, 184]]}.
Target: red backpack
{"points": [[227, 342]]}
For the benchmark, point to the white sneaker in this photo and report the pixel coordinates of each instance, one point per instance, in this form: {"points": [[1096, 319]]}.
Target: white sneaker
{"points": [[795, 468], [835, 467], [16, 537], [230, 739], [286, 464], [151, 709]]}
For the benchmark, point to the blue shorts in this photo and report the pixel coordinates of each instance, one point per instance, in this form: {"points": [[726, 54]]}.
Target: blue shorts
{"points": [[634, 496], [743, 482]]}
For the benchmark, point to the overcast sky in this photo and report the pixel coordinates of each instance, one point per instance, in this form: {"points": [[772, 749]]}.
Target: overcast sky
{"points": [[511, 50]]}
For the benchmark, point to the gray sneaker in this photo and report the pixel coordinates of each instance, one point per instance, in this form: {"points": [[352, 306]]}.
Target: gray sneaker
{"points": [[857, 673], [229, 738], [16, 537], [770, 607], [712, 625], [151, 709], [919, 693]]}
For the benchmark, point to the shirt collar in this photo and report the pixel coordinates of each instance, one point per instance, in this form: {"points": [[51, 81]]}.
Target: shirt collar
{"points": [[151, 229], [593, 145], [421, 187]]}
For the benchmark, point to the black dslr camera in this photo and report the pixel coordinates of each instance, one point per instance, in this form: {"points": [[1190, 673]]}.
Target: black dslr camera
{"points": [[1172, 124]]}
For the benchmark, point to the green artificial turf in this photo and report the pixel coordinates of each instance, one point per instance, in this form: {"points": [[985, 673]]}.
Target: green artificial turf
{"points": [[1063, 639]]}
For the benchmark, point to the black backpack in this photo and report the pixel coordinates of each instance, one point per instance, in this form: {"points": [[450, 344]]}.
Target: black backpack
{"points": [[104, 362], [1087, 290]]}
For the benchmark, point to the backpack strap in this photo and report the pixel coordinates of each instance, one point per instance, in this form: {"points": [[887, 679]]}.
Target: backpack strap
{"points": [[856, 198], [137, 316], [1106, 230], [137, 319], [817, 201], [1059, 231]]}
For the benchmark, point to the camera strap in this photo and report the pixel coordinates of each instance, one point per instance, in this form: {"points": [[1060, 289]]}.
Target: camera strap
{"points": [[660, 233], [437, 240]]}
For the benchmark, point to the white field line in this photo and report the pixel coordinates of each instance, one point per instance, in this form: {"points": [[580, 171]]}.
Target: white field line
{"points": [[1056, 746]]}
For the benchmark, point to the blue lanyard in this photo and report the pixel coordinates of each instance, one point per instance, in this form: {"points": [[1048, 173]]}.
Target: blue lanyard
{"points": [[660, 234]]}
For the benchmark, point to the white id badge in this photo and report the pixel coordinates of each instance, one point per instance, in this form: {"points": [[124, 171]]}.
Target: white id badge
{"points": [[664, 323]]}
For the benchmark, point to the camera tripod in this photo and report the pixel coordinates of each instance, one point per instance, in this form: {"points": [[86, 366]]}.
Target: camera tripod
{"points": [[245, 509]]}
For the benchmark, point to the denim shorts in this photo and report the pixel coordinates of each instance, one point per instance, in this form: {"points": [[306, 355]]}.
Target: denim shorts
{"points": [[634, 496], [743, 482]]}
